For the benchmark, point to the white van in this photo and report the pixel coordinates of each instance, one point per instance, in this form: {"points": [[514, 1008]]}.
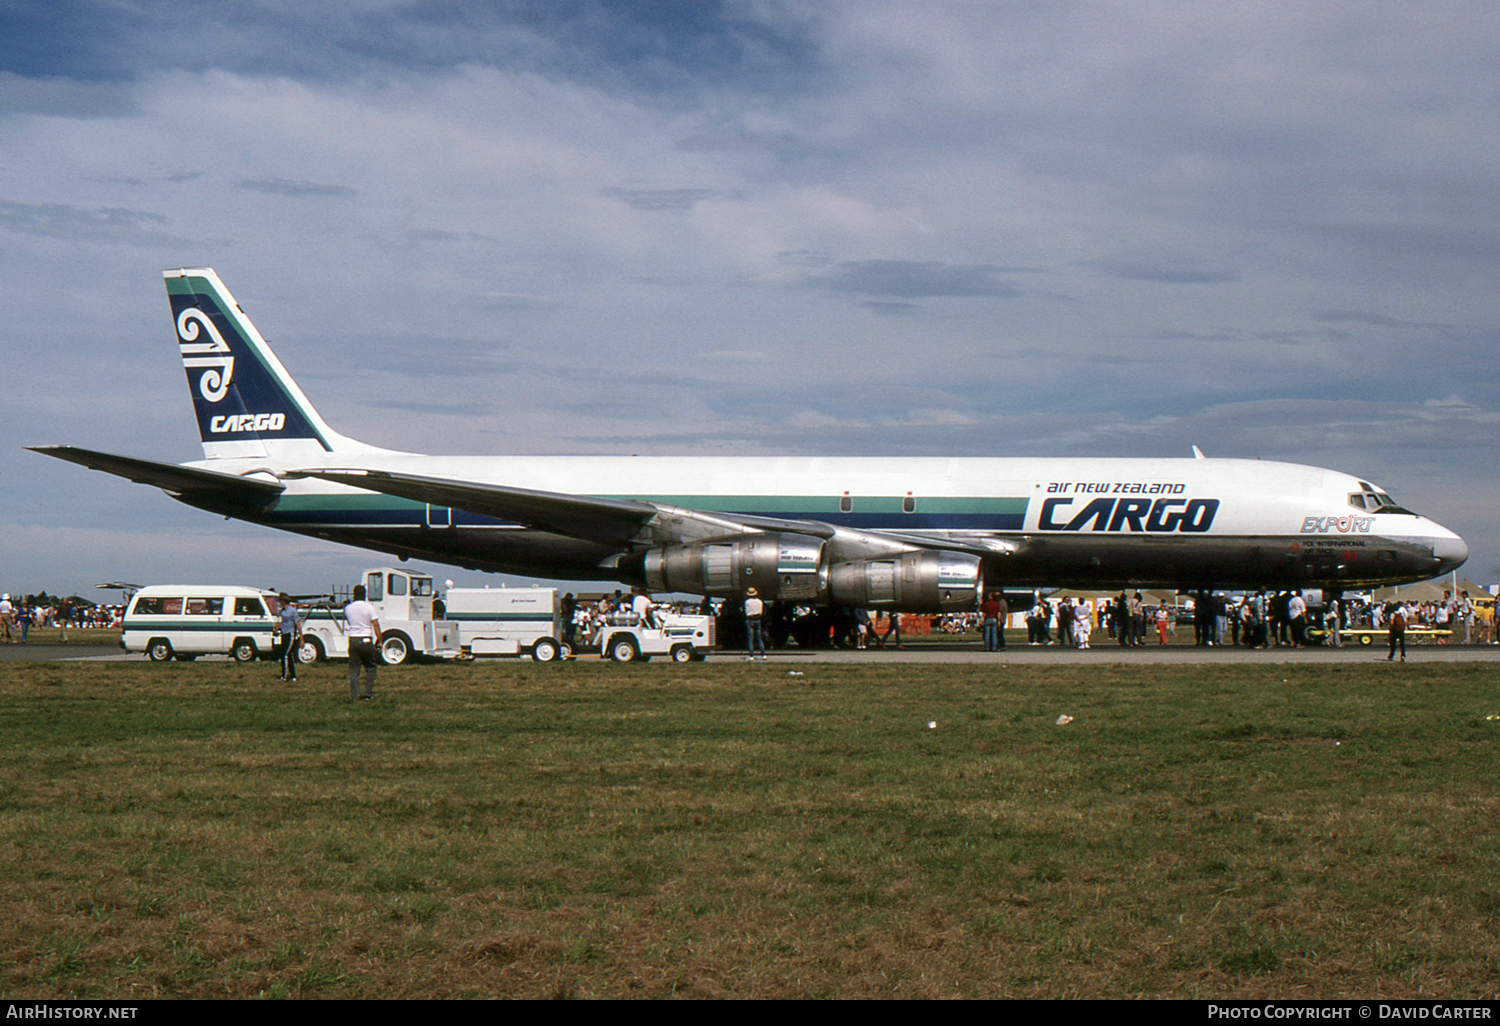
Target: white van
{"points": [[185, 621]]}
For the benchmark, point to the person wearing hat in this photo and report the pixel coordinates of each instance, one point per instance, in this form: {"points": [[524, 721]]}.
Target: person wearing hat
{"points": [[755, 639], [7, 618]]}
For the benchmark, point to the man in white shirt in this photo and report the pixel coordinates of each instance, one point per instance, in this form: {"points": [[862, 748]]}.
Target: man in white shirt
{"points": [[644, 609], [363, 631], [755, 640], [1296, 611]]}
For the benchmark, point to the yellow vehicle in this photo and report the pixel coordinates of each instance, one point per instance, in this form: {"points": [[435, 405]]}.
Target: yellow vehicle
{"points": [[1484, 618], [1372, 635]]}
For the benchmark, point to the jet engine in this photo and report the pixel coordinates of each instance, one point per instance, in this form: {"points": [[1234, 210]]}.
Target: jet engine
{"points": [[777, 566], [792, 567], [910, 583]]}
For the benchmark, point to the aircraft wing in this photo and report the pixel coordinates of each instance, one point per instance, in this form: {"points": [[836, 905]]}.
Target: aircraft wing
{"points": [[609, 521], [206, 489], [578, 516]]}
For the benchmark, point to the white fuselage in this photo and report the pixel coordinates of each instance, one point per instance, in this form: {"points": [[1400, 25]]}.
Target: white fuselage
{"points": [[1198, 522]]}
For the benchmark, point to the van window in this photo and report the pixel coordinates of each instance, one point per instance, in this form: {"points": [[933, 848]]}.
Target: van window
{"points": [[158, 606], [249, 607], [205, 606], [398, 584]]}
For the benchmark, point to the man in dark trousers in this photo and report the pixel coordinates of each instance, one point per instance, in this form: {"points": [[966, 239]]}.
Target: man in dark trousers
{"points": [[567, 609], [363, 631], [1398, 632]]}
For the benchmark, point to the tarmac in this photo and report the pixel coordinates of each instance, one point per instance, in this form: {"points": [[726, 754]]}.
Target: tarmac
{"points": [[957, 652]]}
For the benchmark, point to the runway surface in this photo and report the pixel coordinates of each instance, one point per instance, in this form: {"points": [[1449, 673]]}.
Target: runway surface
{"points": [[46, 652]]}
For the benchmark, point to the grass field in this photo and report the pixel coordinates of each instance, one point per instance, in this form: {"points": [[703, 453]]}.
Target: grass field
{"points": [[727, 829]]}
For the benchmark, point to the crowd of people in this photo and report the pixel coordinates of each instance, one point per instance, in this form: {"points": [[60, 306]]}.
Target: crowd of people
{"points": [[1249, 620], [20, 615]]}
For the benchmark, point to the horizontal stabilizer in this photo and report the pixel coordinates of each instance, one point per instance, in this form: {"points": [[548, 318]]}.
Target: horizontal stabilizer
{"points": [[206, 489], [611, 521]]}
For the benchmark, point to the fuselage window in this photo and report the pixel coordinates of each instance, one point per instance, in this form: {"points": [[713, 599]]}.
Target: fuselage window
{"points": [[845, 503], [908, 504]]}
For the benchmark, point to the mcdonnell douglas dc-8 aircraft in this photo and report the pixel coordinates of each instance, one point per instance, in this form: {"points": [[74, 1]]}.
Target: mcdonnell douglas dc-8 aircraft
{"points": [[908, 534]]}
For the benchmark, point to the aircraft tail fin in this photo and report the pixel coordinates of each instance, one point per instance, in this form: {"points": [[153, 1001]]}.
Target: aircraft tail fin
{"points": [[246, 402]]}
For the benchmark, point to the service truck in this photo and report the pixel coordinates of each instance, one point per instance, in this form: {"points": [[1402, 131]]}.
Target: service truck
{"points": [[403, 607], [475, 622], [507, 622]]}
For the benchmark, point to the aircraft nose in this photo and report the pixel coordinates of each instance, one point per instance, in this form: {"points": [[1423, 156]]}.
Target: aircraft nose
{"points": [[1450, 552]]}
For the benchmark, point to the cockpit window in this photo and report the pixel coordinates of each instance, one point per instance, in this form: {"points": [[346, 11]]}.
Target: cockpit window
{"points": [[1373, 501]]}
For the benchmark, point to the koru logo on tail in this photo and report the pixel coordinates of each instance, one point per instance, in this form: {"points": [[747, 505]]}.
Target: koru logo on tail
{"points": [[214, 384]]}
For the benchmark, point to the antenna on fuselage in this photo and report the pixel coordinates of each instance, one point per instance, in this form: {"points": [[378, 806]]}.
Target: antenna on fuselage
{"points": [[1198, 454]]}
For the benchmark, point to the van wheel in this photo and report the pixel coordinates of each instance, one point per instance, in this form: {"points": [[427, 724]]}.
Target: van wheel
{"points": [[310, 651], [544, 651], [395, 649], [159, 650], [244, 651], [682, 653], [623, 650]]}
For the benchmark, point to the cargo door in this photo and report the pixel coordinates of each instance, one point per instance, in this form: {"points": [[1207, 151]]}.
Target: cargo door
{"points": [[439, 516]]}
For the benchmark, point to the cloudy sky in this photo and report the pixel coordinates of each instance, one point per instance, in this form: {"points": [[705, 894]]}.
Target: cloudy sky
{"points": [[1267, 229]]}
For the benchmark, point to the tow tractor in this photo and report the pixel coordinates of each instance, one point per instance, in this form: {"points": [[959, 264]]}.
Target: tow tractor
{"points": [[403, 607], [682, 638]]}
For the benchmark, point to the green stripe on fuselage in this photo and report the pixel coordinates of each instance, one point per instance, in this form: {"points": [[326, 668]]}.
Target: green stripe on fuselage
{"points": [[772, 505]]}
